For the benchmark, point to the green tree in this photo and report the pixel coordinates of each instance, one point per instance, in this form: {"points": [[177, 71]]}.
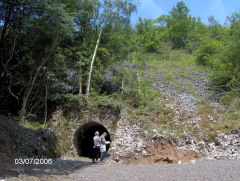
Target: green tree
{"points": [[113, 11], [179, 24], [195, 36], [148, 35], [34, 31]]}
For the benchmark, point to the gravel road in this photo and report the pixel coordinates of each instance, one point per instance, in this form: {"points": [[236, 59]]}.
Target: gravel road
{"points": [[204, 170], [76, 170]]}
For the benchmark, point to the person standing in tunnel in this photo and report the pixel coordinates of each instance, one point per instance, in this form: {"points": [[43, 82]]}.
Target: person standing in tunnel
{"points": [[103, 148], [96, 147]]}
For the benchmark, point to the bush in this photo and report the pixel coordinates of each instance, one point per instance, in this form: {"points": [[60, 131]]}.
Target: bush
{"points": [[206, 50]]}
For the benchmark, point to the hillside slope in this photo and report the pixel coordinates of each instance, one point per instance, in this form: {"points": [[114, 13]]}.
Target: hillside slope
{"points": [[182, 120], [195, 118]]}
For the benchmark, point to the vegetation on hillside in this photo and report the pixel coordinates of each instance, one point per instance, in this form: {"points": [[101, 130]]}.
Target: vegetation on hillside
{"points": [[53, 53]]}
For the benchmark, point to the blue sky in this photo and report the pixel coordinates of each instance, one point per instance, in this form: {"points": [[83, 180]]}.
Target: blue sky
{"points": [[220, 9]]}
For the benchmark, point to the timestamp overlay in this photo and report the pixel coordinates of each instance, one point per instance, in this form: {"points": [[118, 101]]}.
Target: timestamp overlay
{"points": [[33, 161]]}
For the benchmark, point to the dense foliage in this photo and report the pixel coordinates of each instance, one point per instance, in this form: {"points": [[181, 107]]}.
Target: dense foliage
{"points": [[215, 46], [46, 48]]}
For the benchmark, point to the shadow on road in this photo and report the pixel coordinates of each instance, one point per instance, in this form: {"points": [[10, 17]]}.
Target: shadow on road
{"points": [[57, 168]]}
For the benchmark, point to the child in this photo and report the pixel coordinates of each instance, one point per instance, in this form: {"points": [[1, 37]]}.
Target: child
{"points": [[103, 149]]}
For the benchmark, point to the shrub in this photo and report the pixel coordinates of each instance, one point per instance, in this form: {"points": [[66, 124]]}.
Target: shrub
{"points": [[206, 50]]}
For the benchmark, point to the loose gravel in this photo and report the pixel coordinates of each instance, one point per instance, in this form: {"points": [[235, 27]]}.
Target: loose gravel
{"points": [[221, 170]]}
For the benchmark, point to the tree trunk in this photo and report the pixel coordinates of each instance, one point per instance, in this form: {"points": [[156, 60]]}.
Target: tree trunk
{"points": [[25, 98], [80, 86], [80, 81], [46, 98], [92, 61], [139, 80]]}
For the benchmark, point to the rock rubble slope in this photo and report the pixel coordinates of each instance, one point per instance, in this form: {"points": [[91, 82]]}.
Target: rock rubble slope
{"points": [[183, 95]]}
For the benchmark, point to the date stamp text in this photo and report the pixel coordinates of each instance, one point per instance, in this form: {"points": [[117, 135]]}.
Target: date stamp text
{"points": [[34, 161]]}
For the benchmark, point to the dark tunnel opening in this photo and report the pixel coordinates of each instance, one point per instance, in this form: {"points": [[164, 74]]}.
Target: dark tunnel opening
{"points": [[83, 138]]}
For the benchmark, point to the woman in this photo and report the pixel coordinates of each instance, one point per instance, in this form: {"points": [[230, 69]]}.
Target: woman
{"points": [[96, 147]]}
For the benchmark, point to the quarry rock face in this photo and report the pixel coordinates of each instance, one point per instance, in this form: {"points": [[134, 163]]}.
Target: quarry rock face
{"points": [[128, 141], [128, 144]]}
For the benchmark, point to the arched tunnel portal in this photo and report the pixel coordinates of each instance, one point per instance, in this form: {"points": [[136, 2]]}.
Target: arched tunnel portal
{"points": [[83, 138]]}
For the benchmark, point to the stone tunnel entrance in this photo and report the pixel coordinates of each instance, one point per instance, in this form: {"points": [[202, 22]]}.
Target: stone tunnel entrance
{"points": [[83, 138]]}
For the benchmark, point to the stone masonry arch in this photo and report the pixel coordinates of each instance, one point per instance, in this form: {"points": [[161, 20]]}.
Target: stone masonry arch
{"points": [[83, 136]]}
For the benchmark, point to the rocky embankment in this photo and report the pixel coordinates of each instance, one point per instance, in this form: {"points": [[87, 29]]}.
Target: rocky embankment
{"points": [[127, 142], [184, 100]]}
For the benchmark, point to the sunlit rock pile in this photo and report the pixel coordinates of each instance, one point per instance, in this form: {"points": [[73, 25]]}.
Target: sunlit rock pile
{"points": [[225, 146], [127, 144]]}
